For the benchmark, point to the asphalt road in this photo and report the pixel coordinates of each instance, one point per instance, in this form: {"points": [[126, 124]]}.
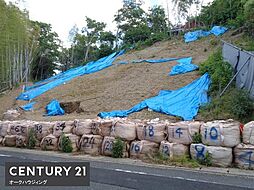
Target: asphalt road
{"points": [[117, 176]]}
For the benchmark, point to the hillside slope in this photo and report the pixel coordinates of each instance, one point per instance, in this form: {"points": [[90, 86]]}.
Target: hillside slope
{"points": [[122, 86]]}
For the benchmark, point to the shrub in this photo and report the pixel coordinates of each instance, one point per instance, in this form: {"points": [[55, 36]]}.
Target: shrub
{"points": [[234, 104], [117, 150], [31, 139], [66, 144], [197, 138], [220, 72], [207, 160]]}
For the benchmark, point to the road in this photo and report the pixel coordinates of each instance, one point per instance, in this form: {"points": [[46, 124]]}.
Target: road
{"points": [[122, 176]]}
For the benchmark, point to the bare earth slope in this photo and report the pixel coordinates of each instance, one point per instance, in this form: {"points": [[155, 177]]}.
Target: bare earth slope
{"points": [[123, 86]]}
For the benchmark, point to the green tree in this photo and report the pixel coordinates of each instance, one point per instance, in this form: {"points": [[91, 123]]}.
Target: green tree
{"points": [[157, 19], [47, 53]]}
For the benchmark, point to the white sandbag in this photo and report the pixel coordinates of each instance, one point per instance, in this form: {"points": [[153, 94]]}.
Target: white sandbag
{"points": [[248, 133], [43, 129], [62, 127], [91, 144], [11, 115], [21, 141], [74, 139], [20, 128], [244, 156], [4, 128], [142, 149], [49, 142], [220, 156], [1, 140], [221, 133], [107, 147], [152, 131], [182, 132], [82, 127], [9, 140], [173, 150], [126, 130], [102, 127]]}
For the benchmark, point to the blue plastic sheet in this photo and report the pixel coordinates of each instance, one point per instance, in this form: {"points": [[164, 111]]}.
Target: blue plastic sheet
{"points": [[184, 66], [218, 30], [155, 60], [184, 102], [43, 86], [54, 108], [29, 106], [193, 36]]}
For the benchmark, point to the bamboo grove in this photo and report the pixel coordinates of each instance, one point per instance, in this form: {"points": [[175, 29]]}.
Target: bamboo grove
{"points": [[17, 44]]}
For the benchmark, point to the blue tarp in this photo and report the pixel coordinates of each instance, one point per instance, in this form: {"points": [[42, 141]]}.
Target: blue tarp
{"points": [[54, 108], [184, 66], [155, 60], [218, 30], [43, 86], [184, 102], [28, 107], [193, 36]]}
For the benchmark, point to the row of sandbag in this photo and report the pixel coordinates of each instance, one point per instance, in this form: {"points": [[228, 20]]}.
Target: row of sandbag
{"points": [[215, 133]]}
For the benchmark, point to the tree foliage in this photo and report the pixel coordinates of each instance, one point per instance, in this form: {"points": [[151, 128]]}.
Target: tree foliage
{"points": [[47, 52]]}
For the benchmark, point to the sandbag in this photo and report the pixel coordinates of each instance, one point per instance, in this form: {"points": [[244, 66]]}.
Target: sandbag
{"points": [[62, 127], [11, 115], [221, 133], [107, 147], [21, 141], [126, 130], [74, 142], [244, 156], [49, 142], [152, 131], [182, 132], [4, 128], [1, 140], [173, 150], [82, 127], [9, 140], [248, 133], [20, 128], [43, 129], [142, 149], [220, 156], [91, 144], [102, 127]]}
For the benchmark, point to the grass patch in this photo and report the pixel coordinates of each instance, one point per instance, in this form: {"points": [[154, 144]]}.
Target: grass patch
{"points": [[66, 144], [117, 150], [31, 139], [246, 43], [183, 161]]}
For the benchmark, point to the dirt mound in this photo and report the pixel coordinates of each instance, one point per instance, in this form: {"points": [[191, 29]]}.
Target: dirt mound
{"points": [[123, 86]]}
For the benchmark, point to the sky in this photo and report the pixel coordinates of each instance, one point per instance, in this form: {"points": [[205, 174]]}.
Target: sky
{"points": [[64, 14]]}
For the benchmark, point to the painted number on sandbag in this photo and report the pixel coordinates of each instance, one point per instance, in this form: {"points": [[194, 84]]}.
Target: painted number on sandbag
{"points": [[179, 132], [60, 127], [165, 150], [200, 151], [213, 133], [108, 145], [49, 142], [87, 142], [135, 147], [150, 131], [38, 128], [19, 129], [246, 158]]}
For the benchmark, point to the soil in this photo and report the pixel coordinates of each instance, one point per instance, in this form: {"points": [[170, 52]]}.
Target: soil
{"points": [[123, 86]]}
